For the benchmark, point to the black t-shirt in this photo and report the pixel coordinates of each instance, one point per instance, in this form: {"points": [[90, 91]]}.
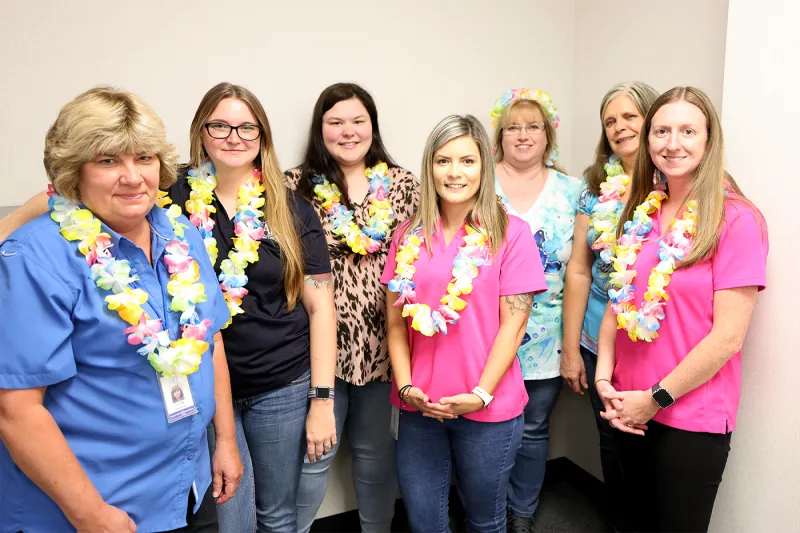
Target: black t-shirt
{"points": [[267, 346]]}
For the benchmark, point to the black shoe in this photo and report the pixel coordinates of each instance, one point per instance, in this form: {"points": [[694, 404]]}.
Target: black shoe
{"points": [[518, 524]]}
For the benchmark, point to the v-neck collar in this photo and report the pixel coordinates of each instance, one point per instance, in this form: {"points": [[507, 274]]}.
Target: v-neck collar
{"points": [[459, 236], [537, 205]]}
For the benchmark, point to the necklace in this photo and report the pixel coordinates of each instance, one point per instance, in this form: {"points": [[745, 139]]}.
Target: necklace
{"points": [[465, 268], [168, 357], [643, 323], [367, 239], [605, 213]]}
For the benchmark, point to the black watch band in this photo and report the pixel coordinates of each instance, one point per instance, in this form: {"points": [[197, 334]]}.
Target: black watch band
{"points": [[662, 396]]}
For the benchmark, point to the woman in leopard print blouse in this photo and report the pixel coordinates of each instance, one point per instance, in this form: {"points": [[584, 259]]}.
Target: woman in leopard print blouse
{"points": [[343, 143]]}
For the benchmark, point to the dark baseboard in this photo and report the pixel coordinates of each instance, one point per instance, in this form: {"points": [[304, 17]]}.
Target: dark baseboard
{"points": [[560, 470]]}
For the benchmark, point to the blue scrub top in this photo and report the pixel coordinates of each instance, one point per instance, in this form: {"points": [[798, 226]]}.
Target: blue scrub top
{"points": [[57, 332]]}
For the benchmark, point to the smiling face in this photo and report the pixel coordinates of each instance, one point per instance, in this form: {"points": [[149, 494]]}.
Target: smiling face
{"points": [[347, 132], [524, 149], [232, 152], [622, 123], [457, 172], [120, 189], [678, 137]]}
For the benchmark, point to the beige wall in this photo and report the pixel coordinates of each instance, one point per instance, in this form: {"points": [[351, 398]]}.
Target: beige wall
{"points": [[760, 490], [679, 42]]}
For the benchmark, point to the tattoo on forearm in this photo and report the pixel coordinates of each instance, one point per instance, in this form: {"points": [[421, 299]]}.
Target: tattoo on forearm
{"points": [[320, 281], [519, 303]]}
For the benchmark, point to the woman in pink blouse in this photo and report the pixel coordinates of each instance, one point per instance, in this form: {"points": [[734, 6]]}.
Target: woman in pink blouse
{"points": [[461, 275], [670, 377]]}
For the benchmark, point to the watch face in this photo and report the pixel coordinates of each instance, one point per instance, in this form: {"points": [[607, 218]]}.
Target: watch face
{"points": [[663, 398], [323, 393]]}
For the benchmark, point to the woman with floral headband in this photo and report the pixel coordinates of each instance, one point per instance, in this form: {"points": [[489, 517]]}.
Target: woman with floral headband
{"points": [[689, 260], [602, 199], [456, 374], [360, 196], [109, 303], [533, 187], [273, 267]]}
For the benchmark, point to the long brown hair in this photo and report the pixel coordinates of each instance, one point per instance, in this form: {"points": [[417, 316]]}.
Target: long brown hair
{"points": [[487, 215], [710, 181], [279, 217], [642, 96]]}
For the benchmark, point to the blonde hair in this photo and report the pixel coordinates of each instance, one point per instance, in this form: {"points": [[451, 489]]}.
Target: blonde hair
{"points": [[710, 181], [279, 216], [487, 215], [642, 96], [549, 130], [104, 120]]}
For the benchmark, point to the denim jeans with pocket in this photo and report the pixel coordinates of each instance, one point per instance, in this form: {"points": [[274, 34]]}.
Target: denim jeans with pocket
{"points": [[364, 412], [527, 476], [480, 454], [271, 437]]}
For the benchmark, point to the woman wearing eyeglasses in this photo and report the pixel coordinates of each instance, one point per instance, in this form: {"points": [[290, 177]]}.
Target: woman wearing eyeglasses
{"points": [[270, 254], [533, 187]]}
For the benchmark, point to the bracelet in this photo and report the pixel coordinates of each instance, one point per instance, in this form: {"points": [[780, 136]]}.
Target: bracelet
{"points": [[599, 380], [402, 390]]}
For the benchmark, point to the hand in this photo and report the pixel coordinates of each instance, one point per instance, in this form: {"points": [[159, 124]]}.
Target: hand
{"points": [[573, 371], [612, 408], [462, 404], [106, 519], [320, 429], [226, 470], [416, 398], [638, 408]]}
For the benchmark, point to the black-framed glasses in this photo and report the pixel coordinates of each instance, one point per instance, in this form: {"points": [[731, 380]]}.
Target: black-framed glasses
{"points": [[533, 128], [220, 130]]}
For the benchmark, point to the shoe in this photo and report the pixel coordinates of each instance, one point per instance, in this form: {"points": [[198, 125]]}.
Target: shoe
{"points": [[518, 524]]}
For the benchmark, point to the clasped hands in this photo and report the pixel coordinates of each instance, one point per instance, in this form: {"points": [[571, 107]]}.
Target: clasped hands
{"points": [[627, 411], [448, 407]]}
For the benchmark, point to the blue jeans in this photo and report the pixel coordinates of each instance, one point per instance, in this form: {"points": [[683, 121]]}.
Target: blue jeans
{"points": [[527, 475], [271, 437], [365, 412], [481, 453], [609, 458]]}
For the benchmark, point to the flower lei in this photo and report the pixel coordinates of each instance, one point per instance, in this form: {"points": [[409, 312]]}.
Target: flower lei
{"points": [[537, 95], [248, 226], [167, 357], [605, 213], [465, 268], [367, 239], [643, 324]]}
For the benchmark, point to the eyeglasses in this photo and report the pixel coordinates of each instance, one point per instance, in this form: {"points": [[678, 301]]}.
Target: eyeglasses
{"points": [[220, 130], [532, 129]]}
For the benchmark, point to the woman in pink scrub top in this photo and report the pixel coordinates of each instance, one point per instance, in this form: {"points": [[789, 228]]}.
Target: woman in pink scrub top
{"points": [[461, 276], [670, 377]]}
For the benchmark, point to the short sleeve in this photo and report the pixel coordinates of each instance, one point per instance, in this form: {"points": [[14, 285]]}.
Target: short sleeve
{"points": [[391, 264], [521, 264], [741, 256], [35, 323], [315, 247], [586, 200]]}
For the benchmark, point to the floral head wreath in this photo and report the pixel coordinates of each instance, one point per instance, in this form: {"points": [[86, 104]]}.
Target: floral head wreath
{"points": [[537, 95]]}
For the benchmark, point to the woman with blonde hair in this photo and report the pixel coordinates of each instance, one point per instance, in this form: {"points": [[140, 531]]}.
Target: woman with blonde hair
{"points": [[607, 188], [457, 380], [533, 187], [689, 260], [272, 264], [108, 303]]}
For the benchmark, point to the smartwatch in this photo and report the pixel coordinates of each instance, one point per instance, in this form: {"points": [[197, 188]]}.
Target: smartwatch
{"points": [[485, 397], [320, 393], [662, 396]]}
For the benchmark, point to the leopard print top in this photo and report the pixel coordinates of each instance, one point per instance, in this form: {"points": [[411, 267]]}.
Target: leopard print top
{"points": [[359, 296]]}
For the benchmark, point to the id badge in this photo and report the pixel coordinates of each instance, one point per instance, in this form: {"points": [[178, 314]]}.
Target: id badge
{"points": [[394, 425], [177, 395]]}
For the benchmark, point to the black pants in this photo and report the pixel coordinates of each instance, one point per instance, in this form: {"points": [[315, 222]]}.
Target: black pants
{"points": [[204, 520], [609, 458], [672, 477]]}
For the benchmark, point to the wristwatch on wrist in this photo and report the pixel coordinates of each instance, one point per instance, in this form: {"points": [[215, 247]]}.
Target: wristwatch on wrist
{"points": [[320, 393], [662, 396], [485, 397]]}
